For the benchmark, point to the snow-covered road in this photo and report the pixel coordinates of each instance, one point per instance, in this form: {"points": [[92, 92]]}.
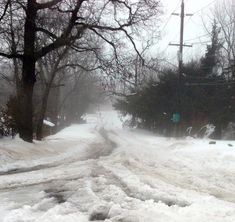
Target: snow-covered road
{"points": [[102, 172]]}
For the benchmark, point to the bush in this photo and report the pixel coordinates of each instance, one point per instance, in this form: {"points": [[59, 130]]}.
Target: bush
{"points": [[153, 105], [7, 119]]}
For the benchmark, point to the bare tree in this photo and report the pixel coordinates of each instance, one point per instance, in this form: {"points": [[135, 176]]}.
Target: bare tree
{"points": [[81, 91], [48, 69], [54, 70], [109, 20], [224, 14]]}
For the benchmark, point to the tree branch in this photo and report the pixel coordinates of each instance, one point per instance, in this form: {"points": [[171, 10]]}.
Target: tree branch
{"points": [[120, 28], [106, 40], [64, 39], [80, 66], [133, 43], [47, 4], [11, 56], [21, 5], [39, 29], [5, 10]]}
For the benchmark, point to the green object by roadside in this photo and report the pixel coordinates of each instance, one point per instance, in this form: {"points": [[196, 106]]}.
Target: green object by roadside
{"points": [[175, 117]]}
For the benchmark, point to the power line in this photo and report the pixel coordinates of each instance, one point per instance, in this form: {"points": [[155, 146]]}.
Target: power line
{"points": [[201, 43], [169, 18], [195, 22], [201, 9], [191, 19], [168, 22], [198, 37], [187, 52], [207, 34]]}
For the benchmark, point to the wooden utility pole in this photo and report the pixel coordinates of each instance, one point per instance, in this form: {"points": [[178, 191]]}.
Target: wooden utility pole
{"points": [[181, 46]]}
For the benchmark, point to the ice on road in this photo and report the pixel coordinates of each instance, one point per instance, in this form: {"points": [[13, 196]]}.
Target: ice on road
{"points": [[101, 172]]}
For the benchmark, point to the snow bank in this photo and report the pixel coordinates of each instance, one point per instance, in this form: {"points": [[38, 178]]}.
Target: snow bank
{"points": [[48, 123], [117, 175]]}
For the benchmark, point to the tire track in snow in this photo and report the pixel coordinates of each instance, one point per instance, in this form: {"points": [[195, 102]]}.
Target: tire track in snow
{"points": [[93, 152], [169, 176], [182, 176], [104, 149]]}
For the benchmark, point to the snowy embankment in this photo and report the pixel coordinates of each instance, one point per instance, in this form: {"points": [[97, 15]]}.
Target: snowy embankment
{"points": [[101, 172]]}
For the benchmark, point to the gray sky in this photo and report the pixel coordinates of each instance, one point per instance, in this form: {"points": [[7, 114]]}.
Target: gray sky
{"points": [[194, 27]]}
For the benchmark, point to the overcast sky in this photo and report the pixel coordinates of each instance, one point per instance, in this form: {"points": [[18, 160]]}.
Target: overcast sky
{"points": [[194, 27]]}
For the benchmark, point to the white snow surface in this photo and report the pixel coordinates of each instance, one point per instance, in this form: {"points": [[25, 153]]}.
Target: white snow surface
{"points": [[101, 172], [48, 123]]}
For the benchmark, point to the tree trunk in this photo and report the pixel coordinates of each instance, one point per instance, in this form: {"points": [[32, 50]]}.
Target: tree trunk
{"points": [[55, 115], [25, 117], [25, 94], [39, 130]]}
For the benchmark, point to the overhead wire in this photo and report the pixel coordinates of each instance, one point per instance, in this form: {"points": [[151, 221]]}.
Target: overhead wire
{"points": [[207, 34], [191, 19], [206, 6], [198, 37], [168, 20], [187, 51], [201, 9], [186, 23]]}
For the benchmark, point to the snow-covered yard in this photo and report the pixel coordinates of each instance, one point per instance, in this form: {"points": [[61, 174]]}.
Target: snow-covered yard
{"points": [[99, 171]]}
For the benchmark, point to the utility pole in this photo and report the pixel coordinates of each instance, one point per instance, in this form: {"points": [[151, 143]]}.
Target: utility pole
{"points": [[177, 116]]}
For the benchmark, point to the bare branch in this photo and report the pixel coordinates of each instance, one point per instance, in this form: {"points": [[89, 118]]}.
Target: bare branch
{"points": [[65, 38], [47, 4], [73, 65], [106, 40], [133, 43], [21, 5], [39, 29], [106, 28], [11, 56], [84, 49], [5, 10]]}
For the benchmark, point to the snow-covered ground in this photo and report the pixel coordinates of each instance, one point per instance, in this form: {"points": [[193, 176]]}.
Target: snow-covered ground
{"points": [[101, 172]]}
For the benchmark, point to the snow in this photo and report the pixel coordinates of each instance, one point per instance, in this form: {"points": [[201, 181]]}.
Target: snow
{"points": [[100, 171], [48, 123]]}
